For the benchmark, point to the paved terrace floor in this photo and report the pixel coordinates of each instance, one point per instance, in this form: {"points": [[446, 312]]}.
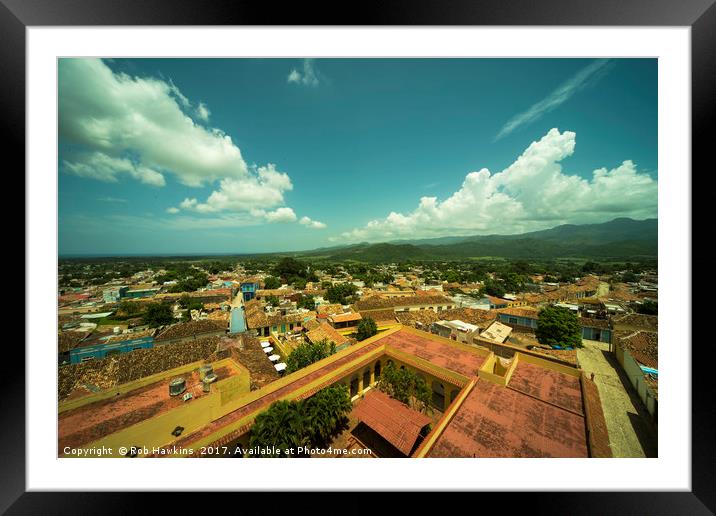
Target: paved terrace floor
{"points": [[528, 418], [88, 423], [631, 432], [438, 353]]}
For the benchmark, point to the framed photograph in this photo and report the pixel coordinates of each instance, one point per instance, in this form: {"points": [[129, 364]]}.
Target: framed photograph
{"points": [[434, 238]]}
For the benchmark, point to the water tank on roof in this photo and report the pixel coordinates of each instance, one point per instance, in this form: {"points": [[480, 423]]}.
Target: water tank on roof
{"points": [[177, 386]]}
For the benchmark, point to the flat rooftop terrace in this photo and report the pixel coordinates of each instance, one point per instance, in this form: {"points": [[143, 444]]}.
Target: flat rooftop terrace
{"points": [[538, 414], [436, 350], [94, 420]]}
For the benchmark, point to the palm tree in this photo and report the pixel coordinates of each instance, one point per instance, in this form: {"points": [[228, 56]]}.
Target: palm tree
{"points": [[282, 426]]}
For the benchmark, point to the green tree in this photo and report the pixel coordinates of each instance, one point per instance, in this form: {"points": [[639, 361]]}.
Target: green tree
{"points": [[557, 326], [271, 283], [307, 353], [158, 314], [130, 308], [282, 426], [494, 288], [366, 328], [307, 423], [325, 412], [290, 267], [341, 293], [190, 303], [272, 300], [648, 308], [405, 386], [308, 302]]}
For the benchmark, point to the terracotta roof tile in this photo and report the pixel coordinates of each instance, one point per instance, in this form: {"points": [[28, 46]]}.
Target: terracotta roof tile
{"points": [[395, 422]]}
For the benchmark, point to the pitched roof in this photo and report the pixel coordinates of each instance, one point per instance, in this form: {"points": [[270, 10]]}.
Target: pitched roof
{"points": [[387, 315], [520, 311], [395, 422], [641, 321], [426, 317], [327, 332], [588, 322], [190, 328], [345, 317], [378, 302], [642, 345]]}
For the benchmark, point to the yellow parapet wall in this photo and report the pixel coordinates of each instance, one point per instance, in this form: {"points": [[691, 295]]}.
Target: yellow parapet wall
{"points": [[156, 432], [64, 406], [432, 437]]}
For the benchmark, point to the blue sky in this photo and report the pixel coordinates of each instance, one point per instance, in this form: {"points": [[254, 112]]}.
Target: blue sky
{"points": [[252, 155]]}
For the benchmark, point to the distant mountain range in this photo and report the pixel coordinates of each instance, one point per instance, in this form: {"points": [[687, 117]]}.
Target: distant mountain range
{"points": [[619, 238]]}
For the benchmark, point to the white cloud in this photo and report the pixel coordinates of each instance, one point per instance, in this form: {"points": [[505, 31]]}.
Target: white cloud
{"points": [[284, 214], [308, 76], [116, 114], [585, 76], [203, 112], [307, 221], [97, 165], [142, 127], [531, 194], [261, 189]]}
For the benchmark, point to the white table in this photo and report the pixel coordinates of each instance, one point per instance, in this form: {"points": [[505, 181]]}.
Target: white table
{"points": [[274, 358], [268, 350], [280, 367], [265, 344]]}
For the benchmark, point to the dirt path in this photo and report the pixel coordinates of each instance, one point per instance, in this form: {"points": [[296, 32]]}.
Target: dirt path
{"points": [[631, 432]]}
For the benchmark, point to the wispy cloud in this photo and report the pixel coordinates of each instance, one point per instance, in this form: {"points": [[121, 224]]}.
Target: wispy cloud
{"points": [[309, 76], [111, 199], [584, 77]]}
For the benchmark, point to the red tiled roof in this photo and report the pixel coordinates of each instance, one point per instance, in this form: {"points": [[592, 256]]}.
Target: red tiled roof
{"points": [[350, 316], [395, 422], [520, 311], [643, 346], [326, 331]]}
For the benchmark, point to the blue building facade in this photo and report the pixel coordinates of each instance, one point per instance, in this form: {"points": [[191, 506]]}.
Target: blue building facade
{"points": [[599, 334], [101, 351], [514, 320], [248, 290]]}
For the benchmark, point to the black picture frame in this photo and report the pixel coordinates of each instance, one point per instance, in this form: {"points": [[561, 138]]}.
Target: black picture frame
{"points": [[700, 15]]}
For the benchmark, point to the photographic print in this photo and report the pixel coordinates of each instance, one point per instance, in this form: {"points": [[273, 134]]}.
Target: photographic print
{"points": [[357, 257]]}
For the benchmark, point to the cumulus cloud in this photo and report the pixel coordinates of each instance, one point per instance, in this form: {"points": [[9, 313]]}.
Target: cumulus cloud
{"points": [[308, 76], [263, 188], [203, 112], [100, 166], [581, 79], [307, 221], [283, 214], [114, 114], [532, 193], [144, 128]]}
